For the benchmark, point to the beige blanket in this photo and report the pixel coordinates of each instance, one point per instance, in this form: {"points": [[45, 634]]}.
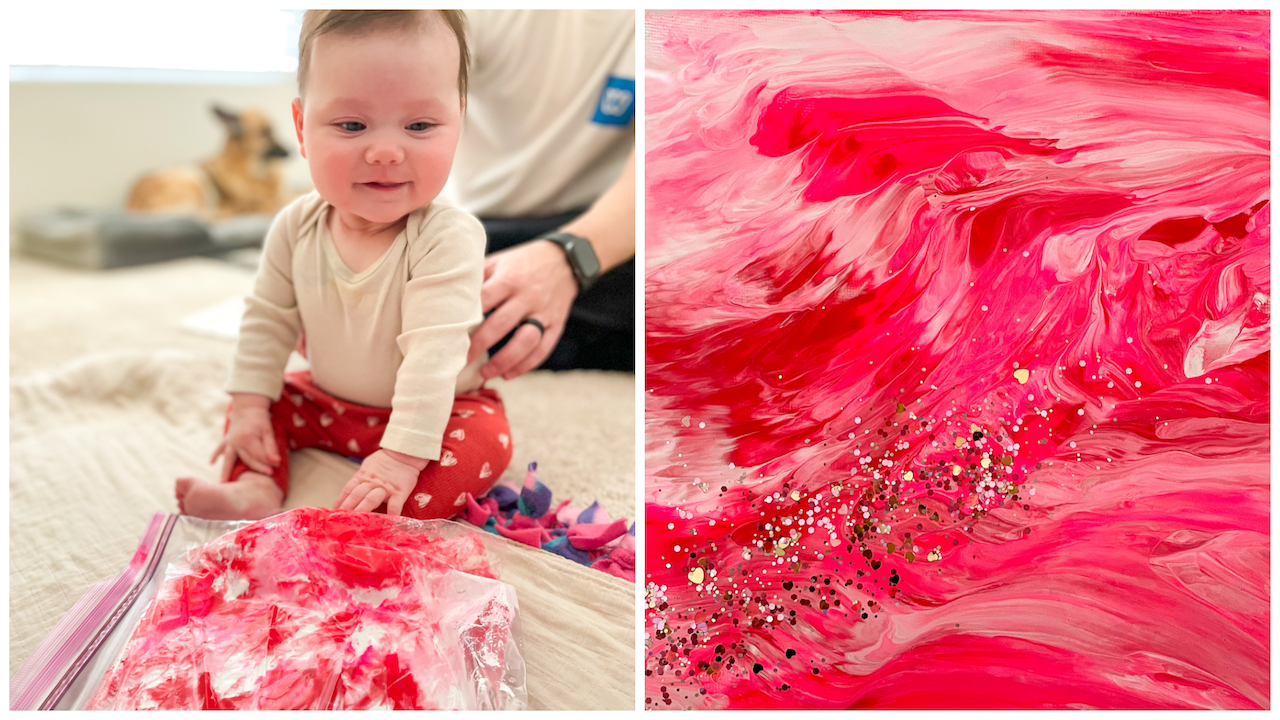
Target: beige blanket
{"points": [[109, 401]]}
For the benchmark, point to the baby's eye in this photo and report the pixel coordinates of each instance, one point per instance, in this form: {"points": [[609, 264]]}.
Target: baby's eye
{"points": [[351, 126], [420, 126]]}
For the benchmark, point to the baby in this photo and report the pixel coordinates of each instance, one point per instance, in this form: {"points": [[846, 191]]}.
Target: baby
{"points": [[384, 278]]}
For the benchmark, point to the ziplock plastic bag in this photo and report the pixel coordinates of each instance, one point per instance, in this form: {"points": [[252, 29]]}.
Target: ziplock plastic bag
{"points": [[326, 610]]}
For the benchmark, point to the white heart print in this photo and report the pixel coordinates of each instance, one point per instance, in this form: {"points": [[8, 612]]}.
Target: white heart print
{"points": [[325, 420], [371, 420], [298, 421], [352, 446], [485, 471], [422, 499], [458, 434], [297, 399], [462, 500], [338, 408], [487, 409], [447, 459], [466, 413], [502, 438]]}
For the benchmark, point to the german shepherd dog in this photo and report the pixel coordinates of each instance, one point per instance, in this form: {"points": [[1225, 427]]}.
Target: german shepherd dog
{"points": [[244, 178]]}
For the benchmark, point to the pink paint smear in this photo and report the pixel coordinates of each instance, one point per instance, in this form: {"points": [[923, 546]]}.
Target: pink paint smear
{"points": [[957, 375], [322, 610]]}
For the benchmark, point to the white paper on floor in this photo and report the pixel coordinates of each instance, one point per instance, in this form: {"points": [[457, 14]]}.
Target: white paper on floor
{"points": [[221, 320]]}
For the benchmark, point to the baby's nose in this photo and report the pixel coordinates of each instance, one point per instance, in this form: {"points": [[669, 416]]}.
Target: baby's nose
{"points": [[384, 154]]}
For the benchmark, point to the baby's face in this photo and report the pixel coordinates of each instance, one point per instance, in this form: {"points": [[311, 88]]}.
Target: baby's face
{"points": [[381, 119]]}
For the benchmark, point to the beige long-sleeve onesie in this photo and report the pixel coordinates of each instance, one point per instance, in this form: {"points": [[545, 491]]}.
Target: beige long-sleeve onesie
{"points": [[393, 335]]}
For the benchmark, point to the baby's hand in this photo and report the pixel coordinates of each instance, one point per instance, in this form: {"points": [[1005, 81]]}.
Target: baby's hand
{"points": [[249, 437], [385, 476]]}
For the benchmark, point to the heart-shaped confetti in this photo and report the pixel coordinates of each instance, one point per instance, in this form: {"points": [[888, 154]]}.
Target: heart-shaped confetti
{"points": [[696, 576]]}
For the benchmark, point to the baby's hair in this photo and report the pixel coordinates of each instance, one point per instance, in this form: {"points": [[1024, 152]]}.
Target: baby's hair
{"points": [[357, 22]]}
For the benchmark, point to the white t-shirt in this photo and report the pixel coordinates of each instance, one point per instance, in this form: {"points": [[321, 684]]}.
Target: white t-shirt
{"points": [[550, 116]]}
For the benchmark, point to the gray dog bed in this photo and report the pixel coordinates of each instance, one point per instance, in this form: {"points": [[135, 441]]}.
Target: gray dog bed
{"points": [[99, 240]]}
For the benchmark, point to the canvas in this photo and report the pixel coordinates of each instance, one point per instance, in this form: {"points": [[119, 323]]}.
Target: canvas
{"points": [[957, 360]]}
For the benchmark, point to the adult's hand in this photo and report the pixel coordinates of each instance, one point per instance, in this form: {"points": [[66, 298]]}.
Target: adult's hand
{"points": [[532, 280]]}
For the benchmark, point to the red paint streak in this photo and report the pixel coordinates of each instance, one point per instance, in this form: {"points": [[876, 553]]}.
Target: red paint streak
{"points": [[855, 145]]}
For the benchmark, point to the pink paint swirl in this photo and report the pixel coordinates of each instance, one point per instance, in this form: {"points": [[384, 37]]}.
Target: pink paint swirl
{"points": [[958, 360]]}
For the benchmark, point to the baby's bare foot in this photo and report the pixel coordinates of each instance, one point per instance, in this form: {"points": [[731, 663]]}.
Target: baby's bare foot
{"points": [[251, 497]]}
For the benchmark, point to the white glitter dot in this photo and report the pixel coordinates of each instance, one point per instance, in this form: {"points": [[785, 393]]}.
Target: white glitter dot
{"points": [[1129, 340], [671, 526], [1081, 363], [1080, 411], [702, 424], [1208, 381], [1026, 254], [1138, 384], [984, 308]]}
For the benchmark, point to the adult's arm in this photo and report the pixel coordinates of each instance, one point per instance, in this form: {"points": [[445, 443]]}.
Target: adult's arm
{"points": [[534, 280]]}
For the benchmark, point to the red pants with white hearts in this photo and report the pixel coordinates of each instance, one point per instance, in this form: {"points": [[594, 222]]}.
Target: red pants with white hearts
{"points": [[475, 451]]}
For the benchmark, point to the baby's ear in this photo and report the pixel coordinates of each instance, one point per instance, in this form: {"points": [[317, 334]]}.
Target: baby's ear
{"points": [[297, 125]]}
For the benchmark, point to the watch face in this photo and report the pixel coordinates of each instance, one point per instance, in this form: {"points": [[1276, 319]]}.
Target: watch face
{"points": [[585, 258]]}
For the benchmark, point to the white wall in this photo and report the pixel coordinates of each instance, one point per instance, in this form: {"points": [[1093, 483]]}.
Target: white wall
{"points": [[83, 144]]}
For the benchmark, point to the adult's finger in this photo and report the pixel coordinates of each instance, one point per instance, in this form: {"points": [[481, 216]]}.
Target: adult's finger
{"points": [[518, 348], [372, 500], [539, 353], [500, 322], [495, 290]]}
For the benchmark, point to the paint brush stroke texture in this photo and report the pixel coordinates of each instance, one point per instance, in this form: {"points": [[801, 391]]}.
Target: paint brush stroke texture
{"points": [[957, 334]]}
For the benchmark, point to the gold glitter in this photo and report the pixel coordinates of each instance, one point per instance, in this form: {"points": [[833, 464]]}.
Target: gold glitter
{"points": [[696, 576], [934, 556], [795, 494], [908, 475], [1023, 375]]}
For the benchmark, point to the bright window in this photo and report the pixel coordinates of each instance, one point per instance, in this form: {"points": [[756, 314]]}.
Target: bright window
{"points": [[214, 38]]}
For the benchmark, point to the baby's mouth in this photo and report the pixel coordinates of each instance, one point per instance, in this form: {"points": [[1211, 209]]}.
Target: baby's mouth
{"points": [[384, 186]]}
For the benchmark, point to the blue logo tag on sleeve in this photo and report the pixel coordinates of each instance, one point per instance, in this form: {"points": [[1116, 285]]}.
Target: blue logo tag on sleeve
{"points": [[617, 102]]}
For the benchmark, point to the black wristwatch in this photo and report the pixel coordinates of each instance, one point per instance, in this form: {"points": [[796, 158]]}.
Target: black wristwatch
{"points": [[581, 257]]}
